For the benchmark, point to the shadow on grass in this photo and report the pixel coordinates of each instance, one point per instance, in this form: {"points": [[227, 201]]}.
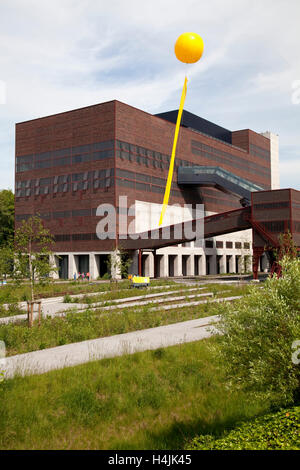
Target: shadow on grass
{"points": [[177, 435]]}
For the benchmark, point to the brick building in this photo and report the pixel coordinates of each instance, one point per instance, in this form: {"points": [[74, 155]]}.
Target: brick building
{"points": [[70, 163]]}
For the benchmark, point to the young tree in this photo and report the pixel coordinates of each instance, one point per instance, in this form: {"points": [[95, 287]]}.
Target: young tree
{"points": [[287, 247], [6, 260], [119, 263], [7, 210], [32, 252]]}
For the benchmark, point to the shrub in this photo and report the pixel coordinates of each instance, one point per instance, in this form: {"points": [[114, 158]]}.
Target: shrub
{"points": [[105, 276], [275, 431], [257, 336]]}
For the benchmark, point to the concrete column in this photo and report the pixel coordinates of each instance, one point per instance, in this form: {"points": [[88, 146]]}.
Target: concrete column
{"points": [[265, 263], [241, 264], [213, 264], [202, 265], [178, 266], [250, 263], [164, 266], [223, 264], [232, 264], [53, 261], [146, 262], [151, 265], [190, 266], [72, 268], [134, 267], [94, 268]]}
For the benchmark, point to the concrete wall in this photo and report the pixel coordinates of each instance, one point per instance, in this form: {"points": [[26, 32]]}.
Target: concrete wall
{"points": [[274, 147]]}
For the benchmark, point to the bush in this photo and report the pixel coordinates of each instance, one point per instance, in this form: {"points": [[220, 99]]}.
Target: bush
{"points": [[276, 431], [257, 336], [105, 276]]}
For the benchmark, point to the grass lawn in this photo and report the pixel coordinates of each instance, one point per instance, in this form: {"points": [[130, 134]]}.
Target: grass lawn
{"points": [[92, 324], [178, 288], [105, 295], [152, 400], [12, 294], [19, 293]]}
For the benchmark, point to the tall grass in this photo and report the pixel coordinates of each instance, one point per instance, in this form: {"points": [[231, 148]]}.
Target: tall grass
{"points": [[77, 327], [17, 293], [91, 324], [151, 400]]}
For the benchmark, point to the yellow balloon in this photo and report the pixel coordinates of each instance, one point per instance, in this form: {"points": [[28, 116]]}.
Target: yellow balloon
{"points": [[189, 48]]}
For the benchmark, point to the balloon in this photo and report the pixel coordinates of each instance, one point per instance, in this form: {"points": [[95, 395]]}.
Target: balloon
{"points": [[189, 48]]}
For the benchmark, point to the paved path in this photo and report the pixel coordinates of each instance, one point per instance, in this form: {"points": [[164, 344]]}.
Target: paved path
{"points": [[60, 299], [56, 308], [39, 362]]}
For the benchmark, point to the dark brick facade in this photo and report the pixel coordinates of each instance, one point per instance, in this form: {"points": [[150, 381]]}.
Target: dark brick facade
{"points": [[67, 164]]}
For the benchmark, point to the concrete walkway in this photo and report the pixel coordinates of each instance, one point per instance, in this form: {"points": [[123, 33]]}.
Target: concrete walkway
{"points": [[59, 308], [60, 299], [39, 362]]}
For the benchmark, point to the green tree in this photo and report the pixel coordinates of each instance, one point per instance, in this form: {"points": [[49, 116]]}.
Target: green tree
{"points": [[32, 252], [287, 247], [6, 260], [119, 263], [7, 213], [258, 333]]}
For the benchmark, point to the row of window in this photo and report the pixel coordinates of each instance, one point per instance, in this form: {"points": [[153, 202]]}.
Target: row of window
{"points": [[149, 158], [74, 177], [207, 191], [76, 237], [277, 226], [259, 152], [145, 187], [65, 183], [65, 188], [141, 160], [271, 205], [68, 156], [280, 226], [60, 214], [133, 153], [224, 157], [140, 177], [96, 156], [141, 151], [229, 245], [157, 185]]}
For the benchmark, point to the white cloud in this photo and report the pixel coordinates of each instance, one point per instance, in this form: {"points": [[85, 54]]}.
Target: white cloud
{"points": [[65, 54]]}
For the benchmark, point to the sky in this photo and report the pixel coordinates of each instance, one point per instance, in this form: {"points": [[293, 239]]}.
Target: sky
{"points": [[65, 54]]}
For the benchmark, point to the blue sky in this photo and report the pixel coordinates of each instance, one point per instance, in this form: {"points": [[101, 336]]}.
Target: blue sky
{"points": [[65, 54]]}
